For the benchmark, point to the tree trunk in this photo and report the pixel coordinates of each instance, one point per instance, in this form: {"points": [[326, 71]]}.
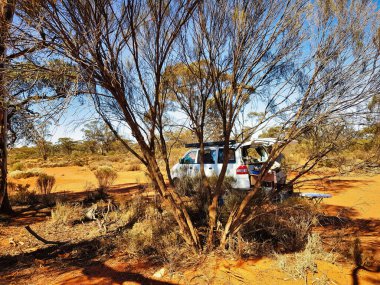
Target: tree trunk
{"points": [[212, 210], [187, 229], [6, 16], [165, 155], [5, 206]]}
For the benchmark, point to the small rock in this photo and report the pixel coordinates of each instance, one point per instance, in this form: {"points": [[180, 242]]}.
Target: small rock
{"points": [[12, 242], [160, 273]]}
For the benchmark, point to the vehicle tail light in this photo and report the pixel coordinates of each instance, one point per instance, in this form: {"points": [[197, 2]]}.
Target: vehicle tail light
{"points": [[242, 169]]}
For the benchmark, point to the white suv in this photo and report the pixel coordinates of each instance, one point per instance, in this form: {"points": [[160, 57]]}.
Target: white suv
{"points": [[245, 161]]}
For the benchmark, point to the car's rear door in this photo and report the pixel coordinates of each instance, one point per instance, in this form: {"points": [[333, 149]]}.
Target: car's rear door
{"points": [[231, 166]]}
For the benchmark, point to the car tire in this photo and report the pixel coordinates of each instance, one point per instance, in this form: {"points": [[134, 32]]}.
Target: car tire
{"points": [[175, 181]]}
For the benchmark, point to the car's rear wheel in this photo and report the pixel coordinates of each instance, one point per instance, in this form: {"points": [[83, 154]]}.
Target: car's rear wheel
{"points": [[175, 181]]}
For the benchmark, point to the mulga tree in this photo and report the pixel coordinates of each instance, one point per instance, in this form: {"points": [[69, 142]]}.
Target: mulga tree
{"points": [[23, 83], [99, 135], [121, 48], [190, 88], [303, 65], [247, 46], [328, 86]]}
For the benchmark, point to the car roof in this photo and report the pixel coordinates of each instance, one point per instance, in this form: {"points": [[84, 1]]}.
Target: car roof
{"points": [[253, 142]]}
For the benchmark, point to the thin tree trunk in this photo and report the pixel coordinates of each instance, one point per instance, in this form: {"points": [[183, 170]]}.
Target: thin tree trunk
{"points": [[187, 229], [165, 154], [212, 210], [6, 16], [5, 206]]}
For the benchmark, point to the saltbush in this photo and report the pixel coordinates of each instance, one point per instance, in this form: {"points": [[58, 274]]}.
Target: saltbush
{"points": [[18, 174], [18, 166], [133, 167], [106, 176], [45, 183]]}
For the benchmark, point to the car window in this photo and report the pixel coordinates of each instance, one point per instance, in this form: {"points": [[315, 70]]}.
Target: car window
{"points": [[209, 156], [254, 154], [190, 157], [231, 156]]}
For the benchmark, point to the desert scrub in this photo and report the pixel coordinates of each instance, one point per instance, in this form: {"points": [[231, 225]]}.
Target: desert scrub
{"points": [[20, 195], [56, 164], [66, 214], [18, 174], [106, 176], [298, 265], [187, 185], [18, 166], [155, 233], [45, 183], [133, 167], [271, 227]]}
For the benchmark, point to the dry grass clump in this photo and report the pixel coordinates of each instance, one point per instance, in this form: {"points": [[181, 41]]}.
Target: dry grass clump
{"points": [[188, 186], [45, 183], [123, 215], [106, 176], [66, 214], [299, 264], [19, 174], [115, 158], [274, 227], [62, 163], [18, 166], [155, 234], [192, 186], [133, 167]]}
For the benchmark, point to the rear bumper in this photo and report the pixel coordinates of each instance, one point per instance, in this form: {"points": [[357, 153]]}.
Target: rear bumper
{"points": [[242, 182]]}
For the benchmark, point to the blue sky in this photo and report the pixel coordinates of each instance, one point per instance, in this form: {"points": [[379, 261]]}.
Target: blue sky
{"points": [[72, 121]]}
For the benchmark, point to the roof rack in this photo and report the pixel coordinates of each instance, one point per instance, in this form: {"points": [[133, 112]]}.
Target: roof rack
{"points": [[216, 143]]}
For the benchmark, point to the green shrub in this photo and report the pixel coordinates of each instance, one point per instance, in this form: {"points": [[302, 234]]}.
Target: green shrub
{"points": [[18, 166], [79, 162], [106, 176], [18, 174], [45, 183], [56, 164], [115, 158]]}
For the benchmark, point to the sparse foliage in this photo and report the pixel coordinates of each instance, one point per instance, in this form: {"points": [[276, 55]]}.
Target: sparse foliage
{"points": [[106, 176], [45, 183]]}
